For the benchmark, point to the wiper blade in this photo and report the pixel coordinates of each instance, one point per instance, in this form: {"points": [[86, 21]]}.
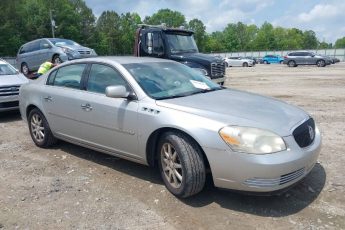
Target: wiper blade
{"points": [[171, 97], [205, 90]]}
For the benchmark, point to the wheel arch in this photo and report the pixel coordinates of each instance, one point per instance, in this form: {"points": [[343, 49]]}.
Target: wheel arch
{"points": [[152, 144], [29, 108]]}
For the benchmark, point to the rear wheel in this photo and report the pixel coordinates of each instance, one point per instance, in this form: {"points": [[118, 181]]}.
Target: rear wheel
{"points": [[245, 64], [321, 63], [181, 164], [291, 63], [39, 129], [24, 68]]}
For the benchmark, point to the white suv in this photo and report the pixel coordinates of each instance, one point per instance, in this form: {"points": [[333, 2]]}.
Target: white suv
{"points": [[10, 81]]}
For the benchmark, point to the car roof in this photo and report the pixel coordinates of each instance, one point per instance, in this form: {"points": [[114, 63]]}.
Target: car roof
{"points": [[123, 59]]}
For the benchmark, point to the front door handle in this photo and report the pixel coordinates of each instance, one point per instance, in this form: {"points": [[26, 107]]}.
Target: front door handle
{"points": [[86, 107], [48, 98]]}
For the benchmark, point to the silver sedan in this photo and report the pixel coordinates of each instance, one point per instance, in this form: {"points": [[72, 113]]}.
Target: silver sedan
{"points": [[159, 112]]}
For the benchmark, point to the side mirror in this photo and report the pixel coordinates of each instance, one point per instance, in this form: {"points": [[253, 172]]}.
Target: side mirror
{"points": [[118, 91]]}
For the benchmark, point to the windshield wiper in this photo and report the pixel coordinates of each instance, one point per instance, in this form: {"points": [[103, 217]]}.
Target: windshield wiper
{"points": [[205, 91], [173, 96]]}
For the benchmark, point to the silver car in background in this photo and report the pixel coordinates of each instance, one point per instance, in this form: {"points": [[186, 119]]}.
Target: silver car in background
{"points": [[160, 112], [294, 59], [238, 61], [10, 82], [57, 50]]}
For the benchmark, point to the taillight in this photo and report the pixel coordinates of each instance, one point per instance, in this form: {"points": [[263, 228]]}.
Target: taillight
{"points": [[285, 57]]}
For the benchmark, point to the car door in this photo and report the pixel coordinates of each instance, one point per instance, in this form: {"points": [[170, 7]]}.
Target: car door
{"points": [[45, 53], [34, 60], [108, 123], [61, 100]]}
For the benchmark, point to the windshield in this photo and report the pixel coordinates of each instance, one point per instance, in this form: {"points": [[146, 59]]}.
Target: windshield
{"points": [[164, 80], [6, 69], [181, 43], [63, 42]]}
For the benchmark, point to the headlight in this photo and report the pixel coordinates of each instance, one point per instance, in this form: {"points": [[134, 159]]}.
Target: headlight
{"points": [[203, 71], [67, 50], [252, 140]]}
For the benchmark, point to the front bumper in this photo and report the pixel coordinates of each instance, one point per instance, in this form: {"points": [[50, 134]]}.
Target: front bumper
{"points": [[220, 80], [263, 173], [9, 103]]}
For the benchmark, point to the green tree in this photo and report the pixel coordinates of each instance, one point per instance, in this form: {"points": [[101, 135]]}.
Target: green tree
{"points": [[340, 43], [109, 34], [199, 32], [128, 25], [309, 40], [167, 16], [265, 39]]}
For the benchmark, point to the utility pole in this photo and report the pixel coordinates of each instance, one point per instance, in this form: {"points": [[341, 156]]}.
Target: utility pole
{"points": [[52, 22]]}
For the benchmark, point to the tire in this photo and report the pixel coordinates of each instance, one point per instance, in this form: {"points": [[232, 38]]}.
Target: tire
{"points": [[281, 62], [39, 129], [266, 62], [321, 63], [24, 69], [291, 63], [245, 64], [181, 164], [56, 59]]}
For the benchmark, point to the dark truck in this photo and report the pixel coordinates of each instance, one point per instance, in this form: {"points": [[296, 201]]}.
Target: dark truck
{"points": [[177, 44]]}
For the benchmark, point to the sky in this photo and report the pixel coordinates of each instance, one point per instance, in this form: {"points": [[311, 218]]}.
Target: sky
{"points": [[325, 17]]}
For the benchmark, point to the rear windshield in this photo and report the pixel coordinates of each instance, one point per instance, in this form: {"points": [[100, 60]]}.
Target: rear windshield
{"points": [[6, 69]]}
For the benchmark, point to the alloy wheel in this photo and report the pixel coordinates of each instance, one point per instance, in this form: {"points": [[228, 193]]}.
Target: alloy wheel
{"points": [[37, 128], [171, 165]]}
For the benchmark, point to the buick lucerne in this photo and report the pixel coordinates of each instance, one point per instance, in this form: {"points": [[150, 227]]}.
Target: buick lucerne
{"points": [[162, 113]]}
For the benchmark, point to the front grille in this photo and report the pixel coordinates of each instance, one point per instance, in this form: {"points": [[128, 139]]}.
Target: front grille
{"points": [[217, 70], [9, 104], [84, 52], [264, 182], [9, 90], [305, 133]]}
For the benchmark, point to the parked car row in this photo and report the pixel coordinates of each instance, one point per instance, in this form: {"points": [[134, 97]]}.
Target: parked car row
{"points": [[292, 59]]}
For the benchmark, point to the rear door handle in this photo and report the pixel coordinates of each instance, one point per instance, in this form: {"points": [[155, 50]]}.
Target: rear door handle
{"points": [[48, 98], [86, 107]]}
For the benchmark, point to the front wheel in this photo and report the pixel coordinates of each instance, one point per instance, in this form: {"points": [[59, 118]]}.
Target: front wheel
{"points": [[245, 64], [265, 62], [181, 164], [281, 62], [39, 129]]}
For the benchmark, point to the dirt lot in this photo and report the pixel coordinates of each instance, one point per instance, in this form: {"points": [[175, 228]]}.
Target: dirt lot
{"points": [[70, 187]]}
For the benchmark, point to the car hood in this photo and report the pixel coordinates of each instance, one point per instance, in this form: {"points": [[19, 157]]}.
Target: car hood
{"points": [[233, 107], [196, 57], [16, 79], [73, 47]]}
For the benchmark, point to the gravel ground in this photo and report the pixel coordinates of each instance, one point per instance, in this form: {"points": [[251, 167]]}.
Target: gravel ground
{"points": [[70, 187]]}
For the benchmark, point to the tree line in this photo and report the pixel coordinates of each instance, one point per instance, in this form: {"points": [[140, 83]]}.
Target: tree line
{"points": [[113, 34]]}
